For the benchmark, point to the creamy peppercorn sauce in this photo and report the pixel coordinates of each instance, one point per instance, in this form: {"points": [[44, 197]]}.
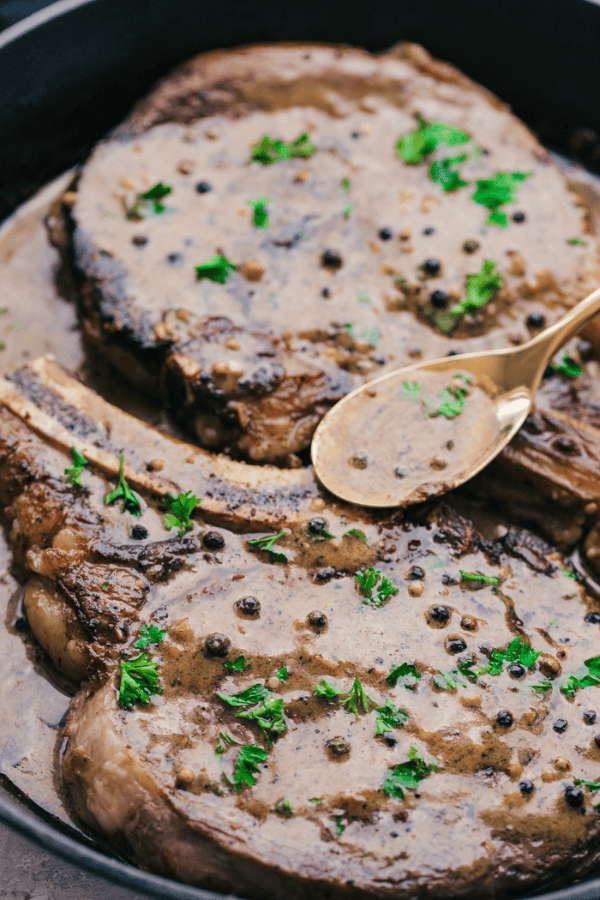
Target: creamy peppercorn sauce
{"points": [[501, 811], [361, 254]]}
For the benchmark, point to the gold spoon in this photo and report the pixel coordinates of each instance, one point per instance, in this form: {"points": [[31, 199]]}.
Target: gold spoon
{"points": [[422, 430]]}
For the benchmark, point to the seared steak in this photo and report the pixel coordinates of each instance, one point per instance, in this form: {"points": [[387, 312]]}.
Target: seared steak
{"points": [[347, 260], [440, 779]]}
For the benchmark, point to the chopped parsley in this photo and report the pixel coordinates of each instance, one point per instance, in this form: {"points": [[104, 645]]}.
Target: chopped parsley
{"points": [[498, 191], [131, 502], [407, 775], [347, 204], [227, 741], [588, 675], [181, 509], [414, 146], [404, 675], [516, 652], [356, 533], [149, 203], [260, 215], [575, 242], [248, 761], [480, 288], [217, 268], [444, 173], [267, 712], [266, 543], [478, 577], [240, 665], [139, 680], [368, 579], [327, 690], [411, 390], [389, 717], [315, 800], [567, 366], [339, 827], [370, 335], [542, 687], [268, 150], [74, 474], [249, 697], [592, 786], [357, 697], [449, 402], [282, 673], [446, 682], [284, 809], [569, 574], [150, 634]]}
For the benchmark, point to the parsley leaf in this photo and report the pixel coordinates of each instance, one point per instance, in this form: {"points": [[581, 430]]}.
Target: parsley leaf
{"points": [[268, 151], [74, 474], [357, 697], [240, 665], [575, 242], [282, 673], [541, 687], [389, 717], [407, 775], [588, 675], [260, 215], [480, 287], [150, 634], [131, 502], [448, 402], [368, 579], [347, 204], [497, 191], [405, 675], [442, 173], [447, 682], [181, 509], [414, 146], [593, 786], [327, 690], [227, 741], [567, 366], [478, 577], [356, 533], [411, 390], [268, 716], [249, 697], [338, 824], [139, 680], [248, 761], [370, 335], [516, 652], [148, 203], [266, 543], [284, 809], [217, 268]]}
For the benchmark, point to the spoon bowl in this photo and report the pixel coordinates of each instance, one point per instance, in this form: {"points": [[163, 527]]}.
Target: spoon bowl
{"points": [[422, 430]]}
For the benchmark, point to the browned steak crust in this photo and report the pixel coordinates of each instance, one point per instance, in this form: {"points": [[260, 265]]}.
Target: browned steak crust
{"points": [[335, 290]]}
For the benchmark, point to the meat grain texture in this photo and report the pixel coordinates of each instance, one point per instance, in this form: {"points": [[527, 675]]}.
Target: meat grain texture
{"points": [[358, 256]]}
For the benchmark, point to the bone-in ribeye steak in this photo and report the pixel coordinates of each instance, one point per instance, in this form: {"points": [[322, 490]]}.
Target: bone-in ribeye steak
{"points": [[329, 808], [359, 255]]}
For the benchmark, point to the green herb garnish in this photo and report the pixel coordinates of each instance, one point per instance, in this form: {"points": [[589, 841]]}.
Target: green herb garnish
{"points": [[567, 366], [217, 268], [248, 697], [327, 690], [357, 697], [498, 191], [368, 579], [150, 634], [444, 173], [516, 652], [575, 242], [260, 215], [284, 809], [227, 741], [131, 502], [588, 675], [404, 675], [240, 665], [282, 673], [149, 203], [480, 287], [266, 543], [356, 533], [181, 509], [449, 402], [347, 204], [542, 687], [447, 682], [370, 335], [268, 712], [411, 390], [407, 775], [268, 150], [478, 577], [74, 474], [139, 680], [338, 824], [569, 574], [315, 800], [389, 717], [592, 786], [415, 146], [248, 761]]}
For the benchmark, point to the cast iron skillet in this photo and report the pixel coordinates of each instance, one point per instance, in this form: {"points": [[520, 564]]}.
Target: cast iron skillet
{"points": [[72, 70]]}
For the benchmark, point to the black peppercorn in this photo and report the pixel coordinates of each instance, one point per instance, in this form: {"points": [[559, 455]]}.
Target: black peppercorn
{"points": [[338, 745], [326, 292], [574, 796], [386, 233], [504, 718], [597, 741], [526, 786], [448, 579], [560, 726], [455, 644], [217, 645], [535, 320], [176, 259], [416, 573], [589, 717], [516, 670], [331, 259], [429, 230], [248, 606], [138, 240], [585, 350], [439, 299], [470, 246], [316, 619], [518, 217], [317, 525], [203, 187], [21, 623], [439, 613], [548, 372], [399, 472], [431, 267], [139, 533], [390, 740], [355, 134], [212, 540], [593, 618]]}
